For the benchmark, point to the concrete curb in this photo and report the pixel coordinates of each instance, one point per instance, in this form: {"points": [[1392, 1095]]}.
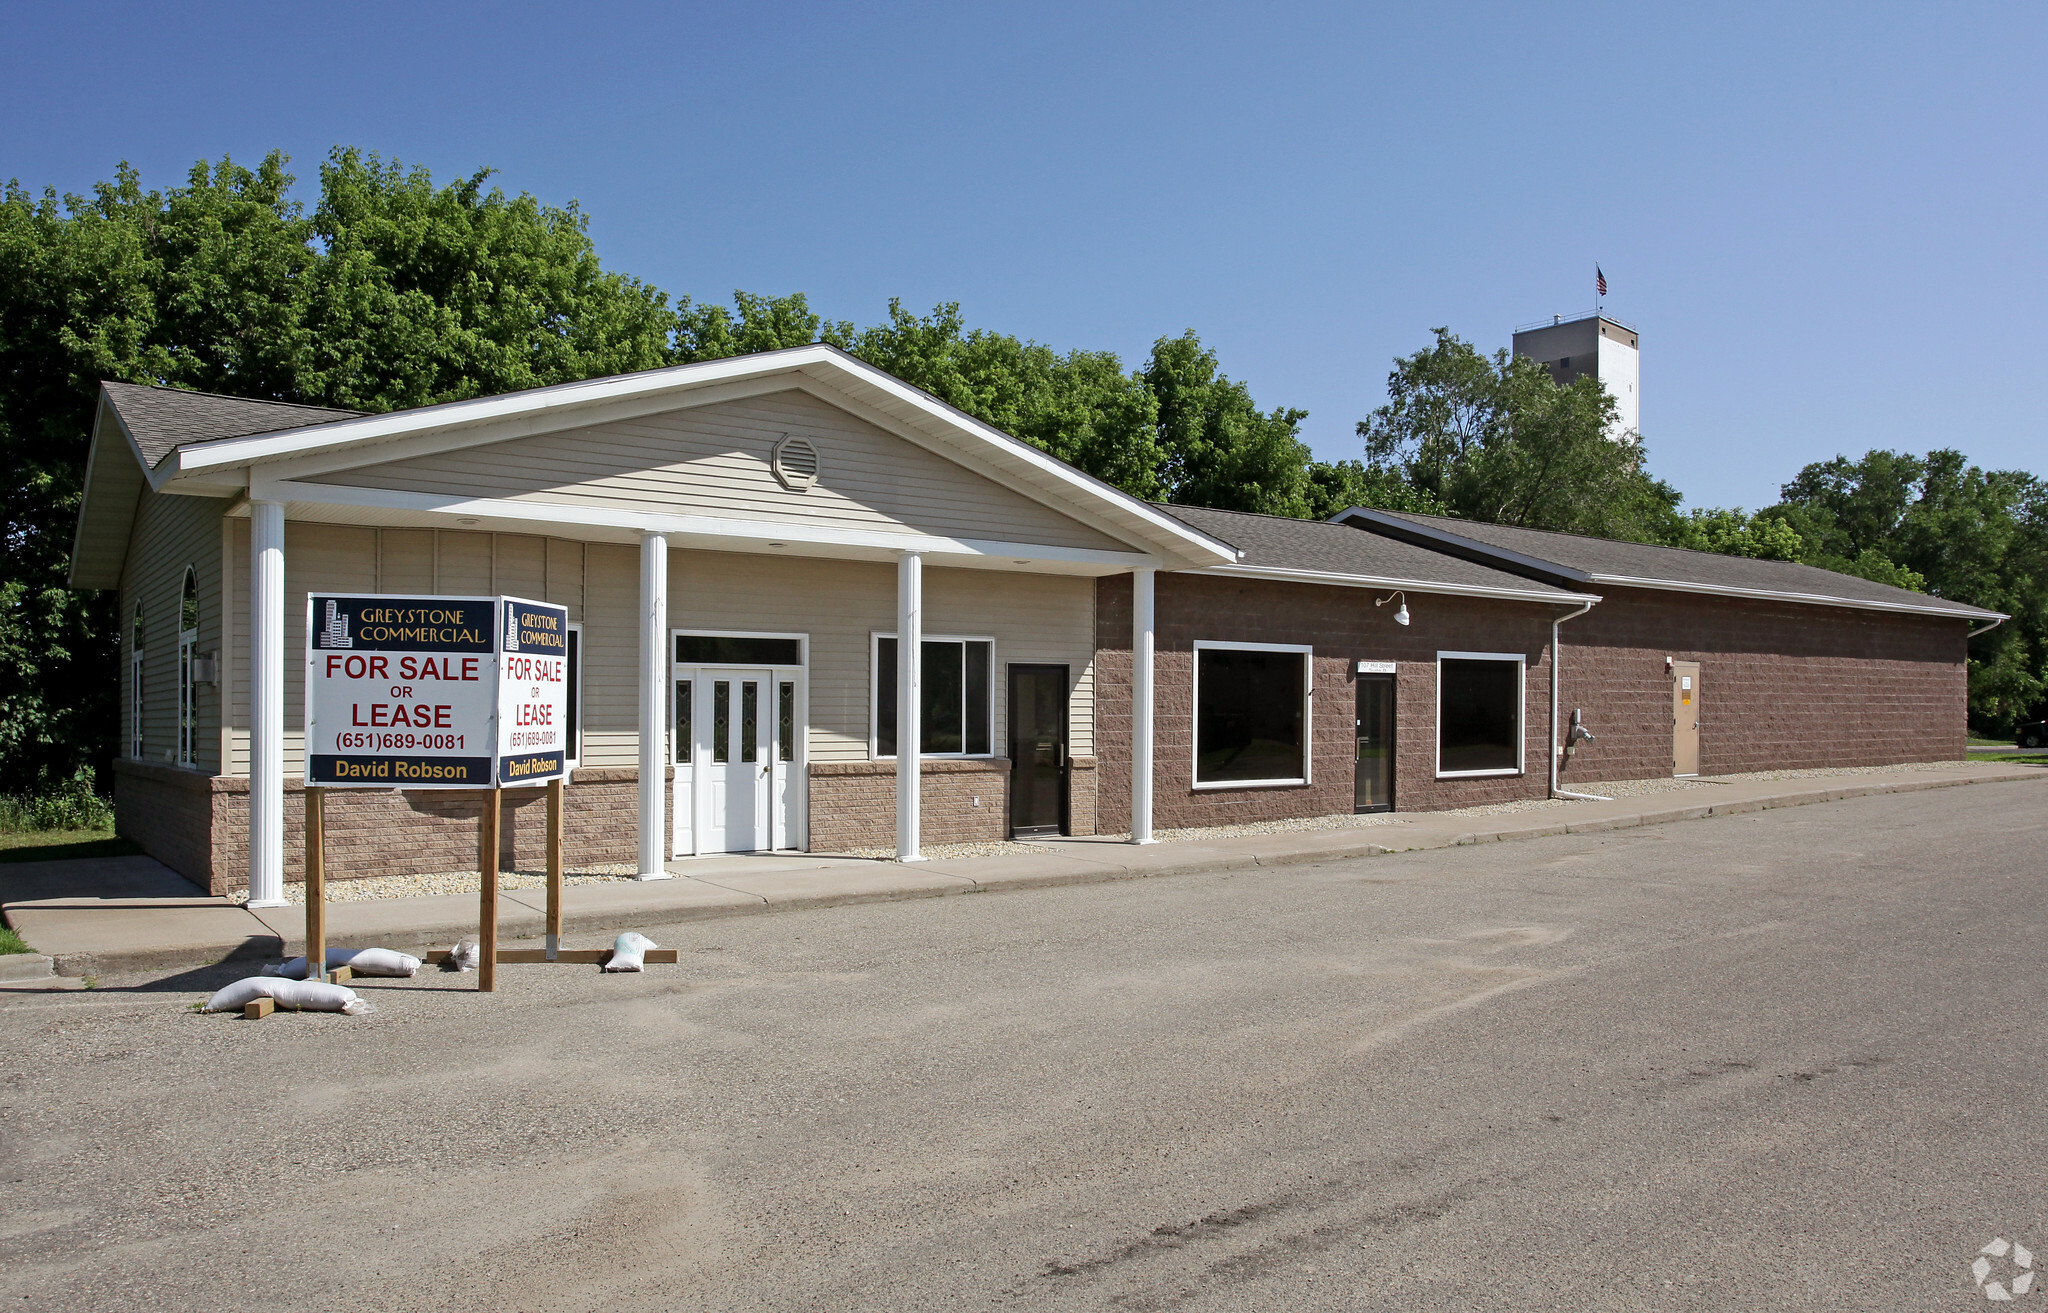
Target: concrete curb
{"points": [[256, 948], [691, 899], [16, 967]]}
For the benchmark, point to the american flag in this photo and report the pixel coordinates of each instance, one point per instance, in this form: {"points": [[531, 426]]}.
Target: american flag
{"points": [[1599, 280]]}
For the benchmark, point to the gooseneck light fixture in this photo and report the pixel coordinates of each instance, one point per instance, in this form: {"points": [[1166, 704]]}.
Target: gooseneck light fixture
{"points": [[1400, 616]]}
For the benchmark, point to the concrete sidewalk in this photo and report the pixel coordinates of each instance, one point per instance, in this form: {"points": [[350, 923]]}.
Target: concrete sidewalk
{"points": [[101, 915]]}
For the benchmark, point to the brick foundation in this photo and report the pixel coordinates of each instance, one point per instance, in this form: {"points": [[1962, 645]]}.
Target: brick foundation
{"points": [[853, 803], [198, 825]]}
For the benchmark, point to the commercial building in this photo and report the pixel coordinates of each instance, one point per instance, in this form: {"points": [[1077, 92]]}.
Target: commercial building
{"points": [[1698, 663], [812, 607]]}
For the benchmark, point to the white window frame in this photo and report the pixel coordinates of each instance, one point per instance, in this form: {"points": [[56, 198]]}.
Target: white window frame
{"points": [[875, 637], [138, 709], [1308, 719], [1521, 662], [188, 687], [574, 757]]}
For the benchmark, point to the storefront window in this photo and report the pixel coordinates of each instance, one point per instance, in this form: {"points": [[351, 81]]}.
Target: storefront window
{"points": [[1479, 714], [954, 720], [1251, 714]]}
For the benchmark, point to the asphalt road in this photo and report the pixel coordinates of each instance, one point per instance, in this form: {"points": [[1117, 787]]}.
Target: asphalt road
{"points": [[1792, 1059]]}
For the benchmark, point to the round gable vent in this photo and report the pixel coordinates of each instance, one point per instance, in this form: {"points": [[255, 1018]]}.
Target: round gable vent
{"points": [[795, 462]]}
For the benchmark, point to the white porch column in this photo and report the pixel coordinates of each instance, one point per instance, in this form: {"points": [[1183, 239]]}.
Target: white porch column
{"points": [[909, 702], [653, 707], [1141, 705], [266, 704]]}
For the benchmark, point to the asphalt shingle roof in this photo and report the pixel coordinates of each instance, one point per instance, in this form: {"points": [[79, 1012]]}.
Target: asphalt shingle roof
{"points": [[1577, 558], [162, 419], [1280, 543]]}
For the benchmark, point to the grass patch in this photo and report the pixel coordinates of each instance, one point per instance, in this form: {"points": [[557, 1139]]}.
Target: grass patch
{"points": [[12, 943], [2035, 758], [63, 845]]}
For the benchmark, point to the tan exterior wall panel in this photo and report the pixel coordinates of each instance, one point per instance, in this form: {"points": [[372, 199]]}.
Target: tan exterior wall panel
{"points": [[714, 460], [172, 533]]}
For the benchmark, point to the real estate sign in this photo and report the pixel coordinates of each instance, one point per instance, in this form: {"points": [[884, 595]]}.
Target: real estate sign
{"points": [[434, 692]]}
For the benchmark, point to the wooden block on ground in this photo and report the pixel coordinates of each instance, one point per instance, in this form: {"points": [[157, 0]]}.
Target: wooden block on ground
{"points": [[258, 1008], [340, 976]]}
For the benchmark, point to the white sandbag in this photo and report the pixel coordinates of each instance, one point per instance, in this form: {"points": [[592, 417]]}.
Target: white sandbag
{"points": [[629, 952], [362, 961], [465, 955], [291, 995]]}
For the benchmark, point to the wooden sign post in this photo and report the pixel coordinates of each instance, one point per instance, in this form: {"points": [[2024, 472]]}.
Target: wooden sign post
{"points": [[554, 930], [487, 896], [316, 884]]}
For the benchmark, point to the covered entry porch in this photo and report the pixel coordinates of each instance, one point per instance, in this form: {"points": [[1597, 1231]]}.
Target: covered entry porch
{"points": [[780, 679]]}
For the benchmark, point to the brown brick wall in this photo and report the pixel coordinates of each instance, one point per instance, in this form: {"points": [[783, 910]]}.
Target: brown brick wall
{"points": [[1344, 628], [853, 803], [1083, 784], [168, 812], [199, 825], [1782, 687]]}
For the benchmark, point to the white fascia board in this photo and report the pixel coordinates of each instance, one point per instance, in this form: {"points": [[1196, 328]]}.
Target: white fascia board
{"points": [[1088, 486], [1554, 598], [553, 420], [261, 448], [546, 409], [749, 532], [1957, 612], [1087, 505], [87, 506]]}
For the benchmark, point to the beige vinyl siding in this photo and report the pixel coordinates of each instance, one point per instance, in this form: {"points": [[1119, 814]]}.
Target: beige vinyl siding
{"points": [[171, 533], [841, 604], [714, 460], [837, 604], [345, 558], [611, 655]]}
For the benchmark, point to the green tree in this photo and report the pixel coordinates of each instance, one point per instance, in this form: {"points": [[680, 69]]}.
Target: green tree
{"points": [[754, 324], [1499, 440], [1219, 448], [1737, 533], [1081, 407], [1939, 524], [1338, 485], [393, 292]]}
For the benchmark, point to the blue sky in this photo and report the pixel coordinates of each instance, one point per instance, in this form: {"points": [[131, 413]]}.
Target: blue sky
{"points": [[1826, 221]]}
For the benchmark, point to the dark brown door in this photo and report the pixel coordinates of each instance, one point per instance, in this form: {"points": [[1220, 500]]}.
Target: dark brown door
{"points": [[1038, 751], [1373, 785]]}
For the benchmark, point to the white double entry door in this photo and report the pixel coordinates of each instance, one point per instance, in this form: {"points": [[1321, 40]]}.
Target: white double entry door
{"points": [[735, 748]]}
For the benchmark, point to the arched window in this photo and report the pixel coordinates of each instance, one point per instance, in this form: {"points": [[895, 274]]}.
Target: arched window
{"points": [[135, 699], [188, 686]]}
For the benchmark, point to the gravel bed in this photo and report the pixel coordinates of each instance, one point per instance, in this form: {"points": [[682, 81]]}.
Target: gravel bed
{"points": [[1298, 825], [1647, 788], [371, 888], [947, 852]]}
